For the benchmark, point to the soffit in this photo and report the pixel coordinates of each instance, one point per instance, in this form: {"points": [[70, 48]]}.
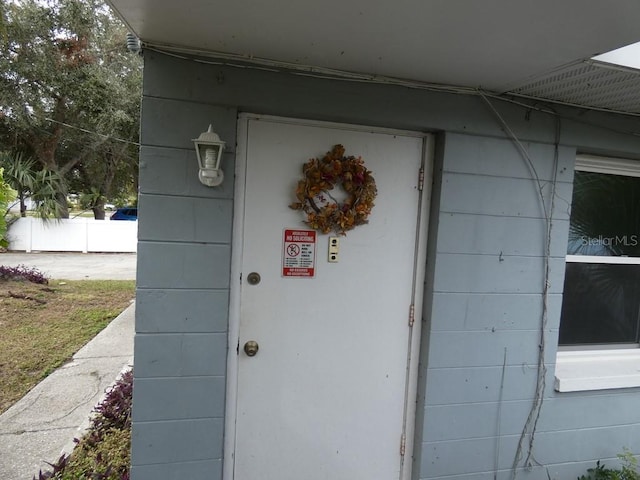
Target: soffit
{"points": [[536, 48]]}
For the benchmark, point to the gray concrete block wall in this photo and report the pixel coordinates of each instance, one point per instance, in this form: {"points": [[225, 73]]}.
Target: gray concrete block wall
{"points": [[184, 260], [484, 323], [484, 318], [485, 268]]}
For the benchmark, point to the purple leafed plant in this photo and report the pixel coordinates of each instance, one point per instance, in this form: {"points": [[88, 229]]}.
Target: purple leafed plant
{"points": [[103, 452], [115, 410], [22, 272]]}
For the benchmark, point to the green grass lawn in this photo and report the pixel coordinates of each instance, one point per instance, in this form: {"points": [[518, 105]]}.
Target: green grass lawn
{"points": [[42, 326]]}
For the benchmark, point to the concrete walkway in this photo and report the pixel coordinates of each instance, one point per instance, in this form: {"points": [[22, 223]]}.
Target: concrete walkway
{"points": [[42, 425], [76, 266]]}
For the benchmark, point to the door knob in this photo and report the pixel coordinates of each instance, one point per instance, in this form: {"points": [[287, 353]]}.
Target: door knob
{"points": [[251, 348]]}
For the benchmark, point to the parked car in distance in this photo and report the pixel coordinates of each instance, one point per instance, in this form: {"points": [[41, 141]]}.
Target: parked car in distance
{"points": [[125, 213]]}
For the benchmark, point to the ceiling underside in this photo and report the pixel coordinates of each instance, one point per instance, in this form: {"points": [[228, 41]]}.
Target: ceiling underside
{"points": [[592, 84], [532, 48]]}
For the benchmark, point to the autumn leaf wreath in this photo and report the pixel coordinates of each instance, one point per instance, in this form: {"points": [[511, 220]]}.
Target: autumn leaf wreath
{"points": [[321, 175]]}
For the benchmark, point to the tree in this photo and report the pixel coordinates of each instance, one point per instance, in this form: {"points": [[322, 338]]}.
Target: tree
{"points": [[70, 95], [40, 186], [7, 194]]}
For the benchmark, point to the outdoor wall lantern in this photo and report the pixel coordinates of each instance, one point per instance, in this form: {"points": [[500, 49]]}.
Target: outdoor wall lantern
{"points": [[209, 149]]}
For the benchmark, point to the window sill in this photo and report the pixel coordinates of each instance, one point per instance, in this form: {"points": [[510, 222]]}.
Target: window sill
{"points": [[597, 369]]}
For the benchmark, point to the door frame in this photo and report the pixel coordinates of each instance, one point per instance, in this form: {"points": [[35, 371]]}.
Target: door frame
{"points": [[414, 339]]}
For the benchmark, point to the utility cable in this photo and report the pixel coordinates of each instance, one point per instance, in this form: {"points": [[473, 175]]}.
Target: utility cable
{"points": [[254, 63], [108, 137], [531, 423]]}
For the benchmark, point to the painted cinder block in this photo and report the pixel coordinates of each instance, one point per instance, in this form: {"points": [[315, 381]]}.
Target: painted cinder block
{"points": [[581, 443], [459, 273], [176, 441], [500, 157], [494, 235], [447, 386], [175, 123], [181, 311], [534, 473], [185, 219], [180, 355], [474, 312], [589, 410], [499, 196], [515, 347], [480, 420], [179, 470], [179, 398], [174, 172], [475, 420], [183, 265], [483, 455], [443, 458]]}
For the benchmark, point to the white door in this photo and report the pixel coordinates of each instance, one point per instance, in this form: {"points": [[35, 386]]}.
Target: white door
{"points": [[325, 397]]}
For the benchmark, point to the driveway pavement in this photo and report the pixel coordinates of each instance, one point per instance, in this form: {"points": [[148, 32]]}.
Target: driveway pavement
{"points": [[41, 426], [76, 266]]}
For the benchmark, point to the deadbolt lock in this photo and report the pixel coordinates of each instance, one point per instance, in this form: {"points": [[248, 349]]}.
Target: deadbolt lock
{"points": [[251, 348], [253, 278]]}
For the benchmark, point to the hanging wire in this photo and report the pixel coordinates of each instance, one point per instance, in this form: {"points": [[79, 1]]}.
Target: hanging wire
{"points": [[108, 137], [530, 426], [254, 63], [496, 459]]}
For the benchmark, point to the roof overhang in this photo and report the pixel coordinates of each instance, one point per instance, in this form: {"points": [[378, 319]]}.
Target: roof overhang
{"points": [[540, 49]]}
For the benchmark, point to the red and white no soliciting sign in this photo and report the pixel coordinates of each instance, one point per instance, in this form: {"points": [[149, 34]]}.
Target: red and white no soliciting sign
{"points": [[299, 253]]}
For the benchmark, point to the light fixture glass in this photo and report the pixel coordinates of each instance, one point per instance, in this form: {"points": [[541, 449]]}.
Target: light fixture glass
{"points": [[209, 149]]}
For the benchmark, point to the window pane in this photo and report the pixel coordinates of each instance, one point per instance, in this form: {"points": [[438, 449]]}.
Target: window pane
{"points": [[601, 304], [605, 215]]}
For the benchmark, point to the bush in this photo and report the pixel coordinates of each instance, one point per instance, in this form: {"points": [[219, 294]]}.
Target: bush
{"points": [[21, 272], [100, 457], [629, 470], [103, 453]]}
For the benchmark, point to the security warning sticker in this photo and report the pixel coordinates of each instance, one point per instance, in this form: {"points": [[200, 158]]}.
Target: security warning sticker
{"points": [[299, 253]]}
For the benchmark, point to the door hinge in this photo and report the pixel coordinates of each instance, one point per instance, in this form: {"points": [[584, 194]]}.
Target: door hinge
{"points": [[412, 314], [421, 179], [403, 444]]}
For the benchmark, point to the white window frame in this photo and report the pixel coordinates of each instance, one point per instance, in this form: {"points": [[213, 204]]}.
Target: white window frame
{"points": [[600, 367]]}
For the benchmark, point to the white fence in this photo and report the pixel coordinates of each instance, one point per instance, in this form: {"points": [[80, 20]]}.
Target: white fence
{"points": [[73, 235]]}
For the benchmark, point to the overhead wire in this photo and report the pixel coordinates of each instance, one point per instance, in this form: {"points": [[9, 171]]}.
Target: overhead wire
{"points": [[256, 63], [108, 137]]}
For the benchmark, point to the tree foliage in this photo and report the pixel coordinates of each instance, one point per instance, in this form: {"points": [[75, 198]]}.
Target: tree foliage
{"points": [[7, 194], [39, 185], [70, 95]]}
